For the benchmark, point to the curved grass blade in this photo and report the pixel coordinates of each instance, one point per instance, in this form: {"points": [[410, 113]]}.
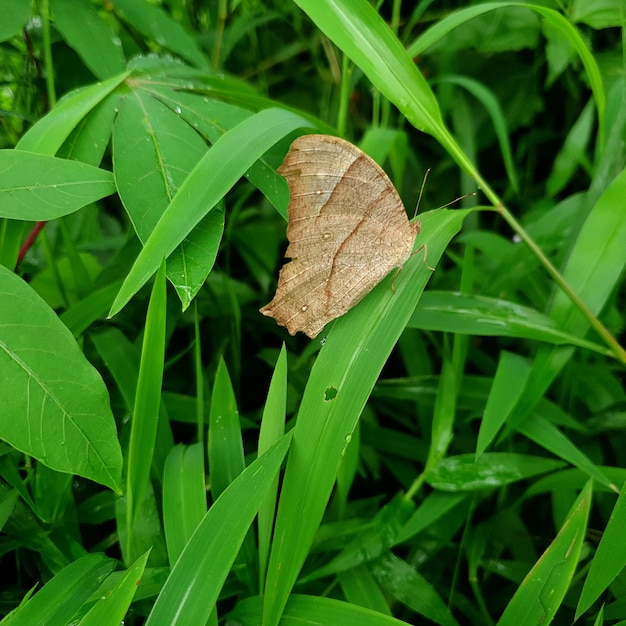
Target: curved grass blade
{"points": [[192, 588], [341, 380]]}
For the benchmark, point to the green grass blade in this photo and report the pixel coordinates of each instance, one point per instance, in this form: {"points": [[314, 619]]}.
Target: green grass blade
{"points": [[558, 21], [549, 437], [456, 312], [111, 608], [356, 27], [361, 589], [378, 535], [435, 506], [593, 269], [226, 459], [304, 610], [540, 595], [192, 589], [184, 496], [507, 387], [147, 400], [464, 472], [63, 596], [342, 378], [489, 101], [609, 559], [94, 306], [406, 584], [272, 429]]}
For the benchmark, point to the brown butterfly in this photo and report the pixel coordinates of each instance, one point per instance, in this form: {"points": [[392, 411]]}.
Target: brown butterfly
{"points": [[347, 230]]}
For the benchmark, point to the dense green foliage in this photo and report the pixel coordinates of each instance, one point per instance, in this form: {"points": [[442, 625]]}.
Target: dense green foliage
{"points": [[450, 451]]}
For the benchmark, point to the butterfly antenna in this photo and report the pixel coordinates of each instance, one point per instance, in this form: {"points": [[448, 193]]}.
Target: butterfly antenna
{"points": [[467, 195], [419, 199]]}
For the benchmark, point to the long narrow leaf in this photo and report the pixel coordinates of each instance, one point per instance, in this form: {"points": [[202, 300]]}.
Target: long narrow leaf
{"points": [[147, 400], [190, 593], [342, 378]]}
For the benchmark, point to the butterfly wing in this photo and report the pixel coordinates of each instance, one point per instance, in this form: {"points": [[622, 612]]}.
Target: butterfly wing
{"points": [[347, 229]]}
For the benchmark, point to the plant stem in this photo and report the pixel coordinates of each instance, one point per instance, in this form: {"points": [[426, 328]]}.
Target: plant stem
{"points": [[344, 94], [617, 350], [222, 14], [47, 53]]}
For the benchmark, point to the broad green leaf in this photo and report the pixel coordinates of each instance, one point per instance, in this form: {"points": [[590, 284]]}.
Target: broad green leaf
{"points": [[212, 118], [598, 13], [151, 143], [63, 596], [465, 472], [195, 582], [35, 187], [13, 17], [350, 360], [89, 35], [49, 133], [540, 595], [90, 139], [220, 168], [55, 404]]}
